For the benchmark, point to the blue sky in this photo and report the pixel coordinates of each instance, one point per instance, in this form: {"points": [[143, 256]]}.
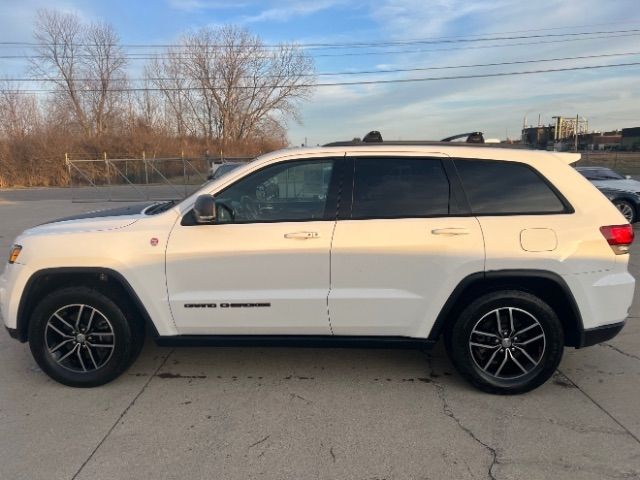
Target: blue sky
{"points": [[608, 98]]}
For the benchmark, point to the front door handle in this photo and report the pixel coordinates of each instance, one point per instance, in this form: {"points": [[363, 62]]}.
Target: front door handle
{"points": [[302, 235], [450, 231]]}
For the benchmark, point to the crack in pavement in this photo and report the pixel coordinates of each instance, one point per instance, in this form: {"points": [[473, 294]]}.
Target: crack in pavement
{"points": [[259, 441], [446, 408], [124, 412], [622, 352], [629, 432]]}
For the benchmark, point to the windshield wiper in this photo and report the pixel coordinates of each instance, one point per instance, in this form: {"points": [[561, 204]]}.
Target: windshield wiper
{"points": [[160, 207]]}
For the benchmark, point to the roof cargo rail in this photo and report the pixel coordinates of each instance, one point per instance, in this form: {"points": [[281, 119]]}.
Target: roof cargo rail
{"points": [[475, 139], [472, 137]]}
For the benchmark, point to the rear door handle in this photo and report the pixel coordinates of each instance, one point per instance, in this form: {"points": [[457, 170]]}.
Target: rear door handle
{"points": [[450, 231], [302, 235]]}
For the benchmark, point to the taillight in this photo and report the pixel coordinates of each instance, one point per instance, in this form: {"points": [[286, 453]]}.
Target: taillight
{"points": [[620, 237]]}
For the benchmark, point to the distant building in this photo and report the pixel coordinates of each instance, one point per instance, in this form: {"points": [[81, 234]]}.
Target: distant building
{"points": [[601, 140], [630, 139], [541, 137], [560, 135]]}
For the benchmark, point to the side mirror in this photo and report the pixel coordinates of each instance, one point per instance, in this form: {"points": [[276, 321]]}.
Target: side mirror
{"points": [[205, 209], [628, 177]]}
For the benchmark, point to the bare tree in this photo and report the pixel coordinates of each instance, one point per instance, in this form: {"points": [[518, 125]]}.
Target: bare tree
{"points": [[103, 65], [85, 64], [232, 84], [165, 74], [219, 89], [20, 113]]}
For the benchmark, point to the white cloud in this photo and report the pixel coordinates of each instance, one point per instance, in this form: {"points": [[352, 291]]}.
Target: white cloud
{"points": [[18, 17], [196, 5], [284, 11], [440, 108]]}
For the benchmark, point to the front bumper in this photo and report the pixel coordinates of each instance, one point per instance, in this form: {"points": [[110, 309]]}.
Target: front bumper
{"points": [[13, 333], [593, 336], [12, 283]]}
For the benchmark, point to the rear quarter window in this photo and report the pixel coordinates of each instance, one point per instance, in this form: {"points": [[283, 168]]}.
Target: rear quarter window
{"points": [[499, 188]]}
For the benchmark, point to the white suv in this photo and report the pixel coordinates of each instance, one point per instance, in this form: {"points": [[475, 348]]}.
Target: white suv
{"points": [[509, 254]]}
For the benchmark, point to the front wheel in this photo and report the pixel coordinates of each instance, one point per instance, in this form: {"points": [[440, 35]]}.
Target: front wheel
{"points": [[81, 338], [506, 342]]}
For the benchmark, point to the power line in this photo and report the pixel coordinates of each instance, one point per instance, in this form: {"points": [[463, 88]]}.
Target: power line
{"points": [[364, 72], [425, 41], [364, 82], [184, 54], [566, 27]]}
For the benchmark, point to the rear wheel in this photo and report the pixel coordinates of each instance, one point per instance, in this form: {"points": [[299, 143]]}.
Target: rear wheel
{"points": [[506, 342], [81, 338]]}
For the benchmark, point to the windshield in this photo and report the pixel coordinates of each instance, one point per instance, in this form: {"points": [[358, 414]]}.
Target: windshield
{"points": [[203, 188], [225, 168], [601, 174]]}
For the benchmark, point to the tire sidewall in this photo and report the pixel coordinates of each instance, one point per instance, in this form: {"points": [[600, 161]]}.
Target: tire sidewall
{"points": [[122, 351], [458, 343]]}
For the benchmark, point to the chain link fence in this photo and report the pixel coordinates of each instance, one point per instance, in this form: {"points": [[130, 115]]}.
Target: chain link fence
{"points": [[625, 163], [139, 179]]}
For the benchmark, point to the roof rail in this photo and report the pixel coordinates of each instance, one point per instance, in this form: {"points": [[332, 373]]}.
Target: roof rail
{"points": [[475, 139], [472, 137]]}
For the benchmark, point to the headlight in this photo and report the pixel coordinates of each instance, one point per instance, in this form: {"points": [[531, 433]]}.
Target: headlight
{"points": [[15, 251]]}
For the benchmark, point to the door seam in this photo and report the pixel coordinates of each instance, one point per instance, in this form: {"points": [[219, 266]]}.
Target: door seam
{"points": [[335, 224]]}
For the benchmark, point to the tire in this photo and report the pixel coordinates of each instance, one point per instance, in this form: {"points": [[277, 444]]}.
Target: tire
{"points": [[85, 353], [626, 209], [486, 359]]}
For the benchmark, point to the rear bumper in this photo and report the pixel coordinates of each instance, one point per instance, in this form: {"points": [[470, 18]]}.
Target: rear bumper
{"points": [[603, 298], [593, 336]]}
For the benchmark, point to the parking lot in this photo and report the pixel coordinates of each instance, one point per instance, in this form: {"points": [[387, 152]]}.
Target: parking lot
{"points": [[239, 413]]}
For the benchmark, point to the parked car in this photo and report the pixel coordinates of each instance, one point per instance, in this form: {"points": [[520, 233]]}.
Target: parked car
{"points": [[607, 178], [222, 169], [627, 202], [509, 255]]}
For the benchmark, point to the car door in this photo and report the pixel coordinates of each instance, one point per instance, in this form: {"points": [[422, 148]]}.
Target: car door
{"points": [[263, 267], [401, 246]]}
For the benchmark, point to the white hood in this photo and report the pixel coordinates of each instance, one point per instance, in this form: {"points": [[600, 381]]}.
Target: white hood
{"points": [[100, 220]]}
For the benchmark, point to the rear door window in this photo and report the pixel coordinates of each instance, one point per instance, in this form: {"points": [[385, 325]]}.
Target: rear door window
{"points": [[399, 188], [499, 188]]}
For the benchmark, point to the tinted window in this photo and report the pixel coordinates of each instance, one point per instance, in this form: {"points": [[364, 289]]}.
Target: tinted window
{"points": [[285, 191], [494, 187], [399, 187]]}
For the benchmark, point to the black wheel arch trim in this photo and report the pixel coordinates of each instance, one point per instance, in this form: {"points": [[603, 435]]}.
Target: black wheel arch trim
{"points": [[486, 278], [21, 332]]}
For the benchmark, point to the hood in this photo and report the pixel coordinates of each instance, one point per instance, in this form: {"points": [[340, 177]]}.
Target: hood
{"points": [[628, 185], [99, 220]]}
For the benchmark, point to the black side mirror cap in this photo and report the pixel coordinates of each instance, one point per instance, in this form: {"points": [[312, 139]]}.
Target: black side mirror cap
{"points": [[205, 209]]}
